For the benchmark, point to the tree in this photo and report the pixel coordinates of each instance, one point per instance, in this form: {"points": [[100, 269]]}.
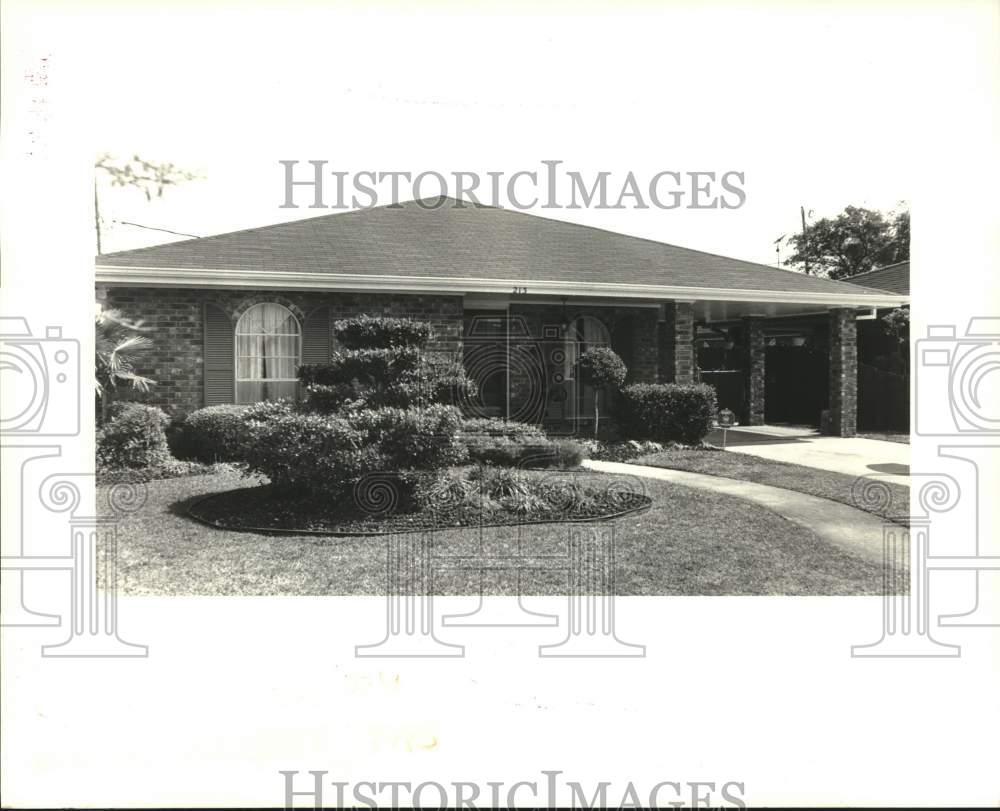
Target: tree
{"points": [[140, 174], [896, 324], [855, 241], [600, 367], [115, 341]]}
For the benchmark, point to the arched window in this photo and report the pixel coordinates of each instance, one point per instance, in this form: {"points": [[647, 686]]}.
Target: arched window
{"points": [[268, 353]]}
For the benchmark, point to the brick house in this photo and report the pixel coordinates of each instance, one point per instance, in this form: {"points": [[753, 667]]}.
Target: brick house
{"points": [[516, 296]]}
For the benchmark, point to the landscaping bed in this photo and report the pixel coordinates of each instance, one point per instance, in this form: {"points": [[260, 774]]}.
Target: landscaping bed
{"points": [[467, 497]]}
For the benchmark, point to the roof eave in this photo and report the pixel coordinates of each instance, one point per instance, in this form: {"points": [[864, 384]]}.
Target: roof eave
{"points": [[216, 278]]}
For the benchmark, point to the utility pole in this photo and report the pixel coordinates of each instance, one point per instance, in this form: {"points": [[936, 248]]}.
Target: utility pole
{"points": [[805, 238]]}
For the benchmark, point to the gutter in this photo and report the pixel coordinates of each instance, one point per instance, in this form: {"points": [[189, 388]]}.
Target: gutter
{"points": [[356, 282]]}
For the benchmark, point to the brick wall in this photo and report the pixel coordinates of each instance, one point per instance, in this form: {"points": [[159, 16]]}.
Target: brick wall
{"points": [[675, 343], [175, 360], [755, 350], [843, 373]]}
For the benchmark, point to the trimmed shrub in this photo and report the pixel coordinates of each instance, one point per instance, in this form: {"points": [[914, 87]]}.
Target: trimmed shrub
{"points": [[212, 434], [318, 455], [370, 367], [422, 438], [524, 451], [601, 368], [376, 378], [493, 427], [371, 410], [220, 433], [267, 410], [668, 412], [377, 332], [134, 436]]}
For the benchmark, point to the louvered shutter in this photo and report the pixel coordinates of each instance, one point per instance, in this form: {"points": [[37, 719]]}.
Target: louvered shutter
{"points": [[220, 380], [316, 336]]}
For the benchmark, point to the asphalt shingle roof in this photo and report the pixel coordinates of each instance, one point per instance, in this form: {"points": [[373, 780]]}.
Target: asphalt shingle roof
{"points": [[474, 241], [892, 278]]}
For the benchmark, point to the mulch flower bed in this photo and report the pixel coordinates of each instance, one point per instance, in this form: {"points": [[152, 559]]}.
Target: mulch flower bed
{"points": [[265, 509]]}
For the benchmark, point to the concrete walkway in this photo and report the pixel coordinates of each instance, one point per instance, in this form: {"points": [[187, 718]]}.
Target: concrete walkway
{"points": [[854, 456], [856, 532]]}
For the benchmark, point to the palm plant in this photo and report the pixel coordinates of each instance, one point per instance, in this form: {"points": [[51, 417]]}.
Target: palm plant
{"points": [[115, 341]]}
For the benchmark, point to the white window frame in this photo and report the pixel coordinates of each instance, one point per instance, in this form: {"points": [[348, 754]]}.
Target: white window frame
{"points": [[236, 349]]}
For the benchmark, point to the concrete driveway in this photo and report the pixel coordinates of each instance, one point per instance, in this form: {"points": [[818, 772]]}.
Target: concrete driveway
{"points": [[804, 446]]}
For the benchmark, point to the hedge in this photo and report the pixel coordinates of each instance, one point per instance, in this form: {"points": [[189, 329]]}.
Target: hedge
{"points": [[219, 433], [319, 455], [668, 412], [134, 436], [212, 434], [423, 438], [377, 332]]}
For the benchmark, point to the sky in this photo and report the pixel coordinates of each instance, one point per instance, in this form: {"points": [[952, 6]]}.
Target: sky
{"points": [[812, 108]]}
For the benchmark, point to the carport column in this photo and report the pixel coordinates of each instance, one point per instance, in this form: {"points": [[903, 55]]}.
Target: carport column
{"points": [[843, 373], [675, 342], [755, 351]]}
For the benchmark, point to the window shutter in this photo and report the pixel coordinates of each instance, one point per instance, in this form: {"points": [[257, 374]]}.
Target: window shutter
{"points": [[220, 376], [316, 336]]}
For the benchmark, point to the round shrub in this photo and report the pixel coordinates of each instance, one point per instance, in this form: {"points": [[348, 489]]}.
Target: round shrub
{"points": [[134, 436], [309, 453], [212, 434], [600, 367], [267, 410], [422, 438], [668, 412]]}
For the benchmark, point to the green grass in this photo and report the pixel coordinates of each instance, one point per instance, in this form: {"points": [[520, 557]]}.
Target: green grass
{"points": [[839, 487], [691, 542]]}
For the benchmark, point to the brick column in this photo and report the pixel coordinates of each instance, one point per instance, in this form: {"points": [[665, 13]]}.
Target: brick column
{"points": [[675, 343], [843, 373], [754, 352]]}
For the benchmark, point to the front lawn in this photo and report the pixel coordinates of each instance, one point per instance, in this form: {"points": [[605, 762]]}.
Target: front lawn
{"points": [[690, 542], [891, 502]]}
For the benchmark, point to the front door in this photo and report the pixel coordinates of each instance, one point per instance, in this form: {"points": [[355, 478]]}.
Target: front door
{"points": [[484, 354]]}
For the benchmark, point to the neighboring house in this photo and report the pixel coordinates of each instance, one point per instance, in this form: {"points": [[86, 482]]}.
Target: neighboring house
{"points": [[518, 297], [893, 278], [883, 362]]}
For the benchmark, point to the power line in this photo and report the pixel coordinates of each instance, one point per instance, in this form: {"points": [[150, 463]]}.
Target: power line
{"points": [[152, 228]]}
